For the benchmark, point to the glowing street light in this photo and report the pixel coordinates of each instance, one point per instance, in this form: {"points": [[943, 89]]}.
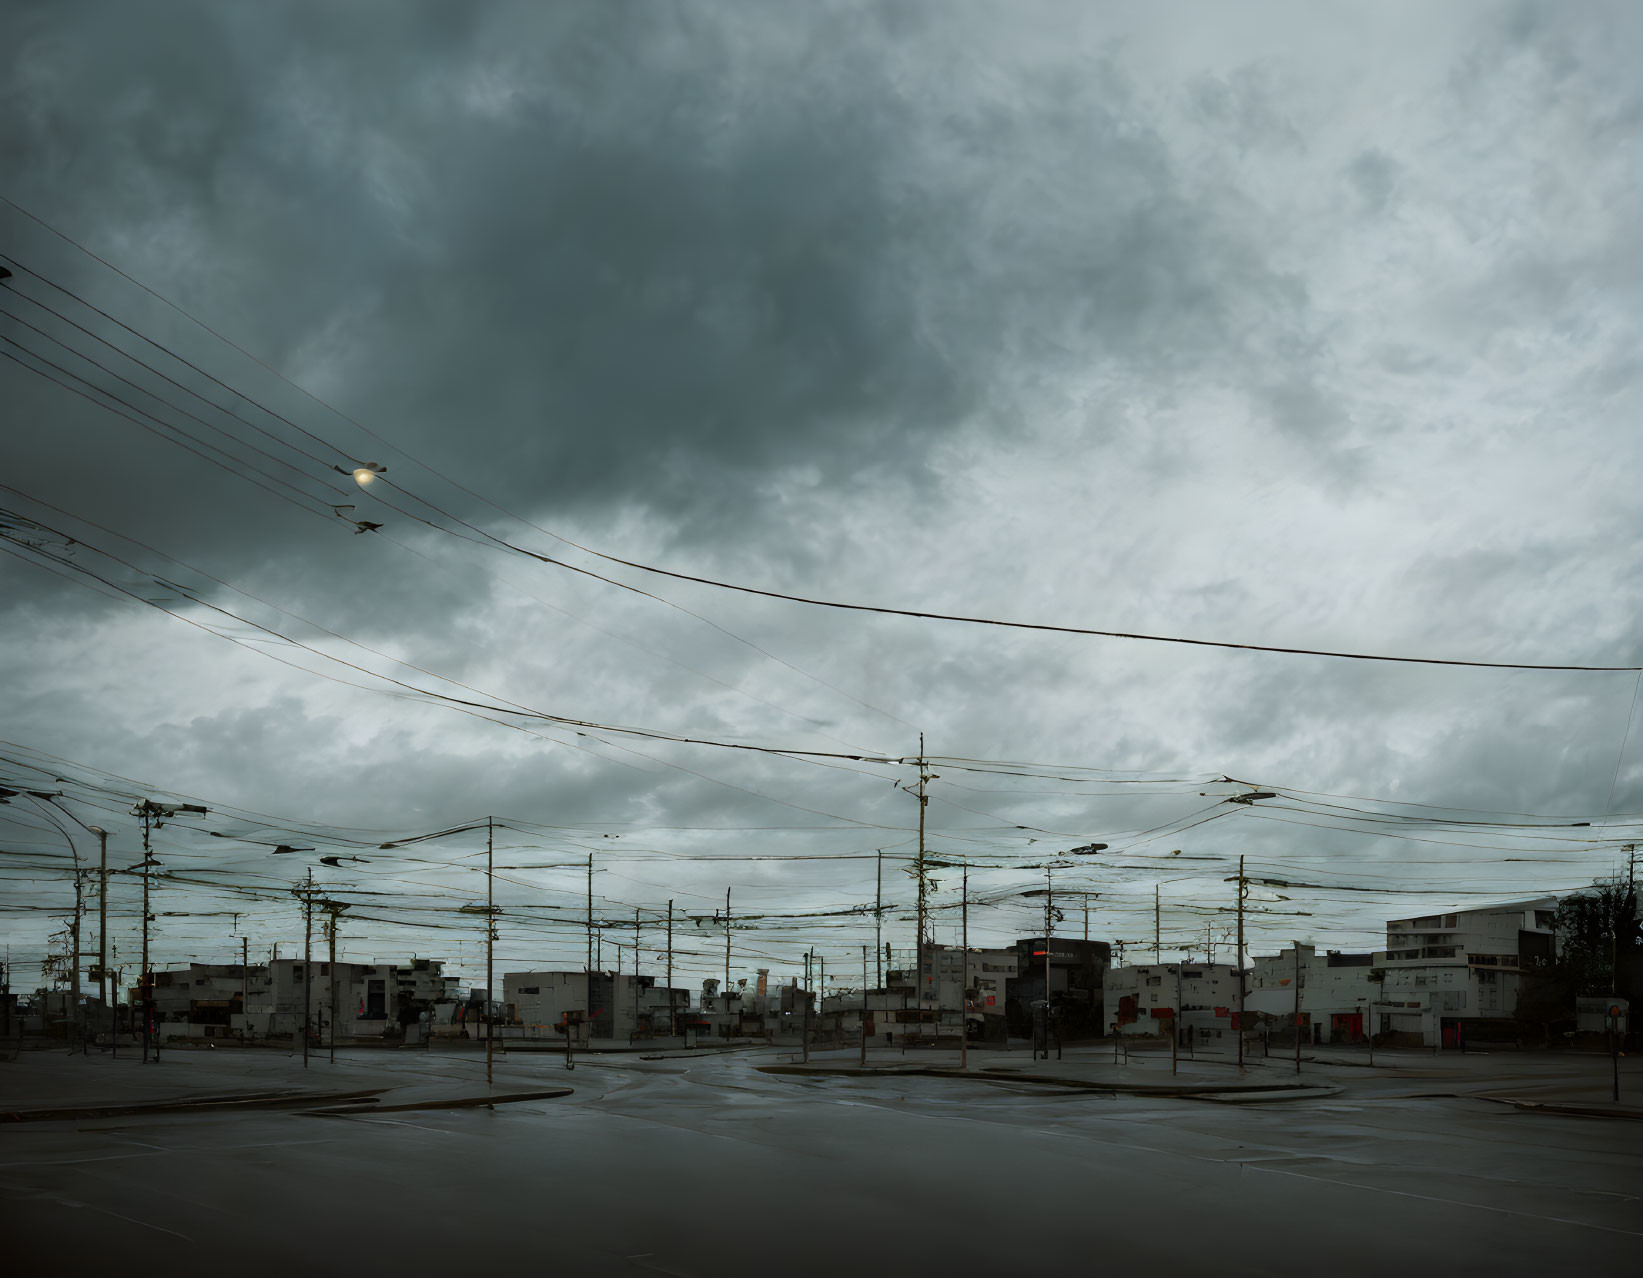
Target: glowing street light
{"points": [[364, 474]]}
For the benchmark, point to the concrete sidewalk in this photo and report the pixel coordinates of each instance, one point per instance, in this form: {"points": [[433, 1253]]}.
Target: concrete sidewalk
{"points": [[1540, 1079]]}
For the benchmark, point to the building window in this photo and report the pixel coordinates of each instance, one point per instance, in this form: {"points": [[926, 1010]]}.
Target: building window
{"points": [[1155, 980]]}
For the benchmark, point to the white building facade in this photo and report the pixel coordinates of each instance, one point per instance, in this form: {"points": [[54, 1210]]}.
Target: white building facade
{"points": [[1337, 992], [1153, 999], [1462, 966]]}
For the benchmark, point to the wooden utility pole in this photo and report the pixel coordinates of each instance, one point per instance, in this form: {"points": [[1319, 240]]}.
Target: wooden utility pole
{"points": [[923, 906], [864, 1007], [809, 957], [1157, 926], [151, 811], [1297, 946], [333, 909], [964, 970], [727, 949], [589, 967], [672, 1016], [878, 924], [74, 964], [636, 969], [245, 984], [307, 964], [1624, 905], [1049, 926], [1175, 1023], [103, 989], [490, 948], [1240, 961], [147, 978]]}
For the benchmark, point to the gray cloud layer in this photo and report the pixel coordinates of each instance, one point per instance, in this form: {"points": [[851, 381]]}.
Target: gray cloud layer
{"points": [[1281, 326]]}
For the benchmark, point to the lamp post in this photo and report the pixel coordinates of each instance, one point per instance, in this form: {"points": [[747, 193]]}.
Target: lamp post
{"points": [[49, 798], [488, 909], [104, 993]]}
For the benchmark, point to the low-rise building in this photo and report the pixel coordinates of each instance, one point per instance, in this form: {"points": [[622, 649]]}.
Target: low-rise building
{"points": [[1337, 992], [1077, 972], [1158, 998], [1450, 974], [373, 1000], [609, 1005], [205, 996]]}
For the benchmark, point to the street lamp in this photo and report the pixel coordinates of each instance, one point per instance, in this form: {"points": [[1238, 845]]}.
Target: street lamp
{"points": [[103, 990], [489, 910], [364, 474]]}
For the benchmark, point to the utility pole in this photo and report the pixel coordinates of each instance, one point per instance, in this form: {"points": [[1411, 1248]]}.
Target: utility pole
{"points": [[821, 989], [1297, 946], [490, 950], [809, 957], [332, 908], [727, 949], [151, 813], [878, 924], [589, 968], [1624, 905], [307, 964], [864, 1007], [923, 906], [1369, 1023], [74, 965], [964, 969], [1240, 959], [672, 1016], [1049, 926], [147, 981], [245, 983], [636, 969], [1157, 926], [1175, 1023], [102, 920]]}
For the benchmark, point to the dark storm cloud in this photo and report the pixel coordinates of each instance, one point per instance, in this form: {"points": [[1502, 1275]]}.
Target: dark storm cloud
{"points": [[635, 254]]}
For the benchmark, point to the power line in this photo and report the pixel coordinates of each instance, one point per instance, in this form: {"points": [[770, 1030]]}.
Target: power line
{"points": [[809, 600]]}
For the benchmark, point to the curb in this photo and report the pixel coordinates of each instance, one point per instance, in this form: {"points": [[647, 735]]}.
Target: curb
{"points": [[1267, 1096], [251, 1100], [461, 1102], [1553, 1107], [1041, 1080]]}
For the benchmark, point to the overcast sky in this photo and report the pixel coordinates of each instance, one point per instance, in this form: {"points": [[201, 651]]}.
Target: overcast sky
{"points": [[1288, 324]]}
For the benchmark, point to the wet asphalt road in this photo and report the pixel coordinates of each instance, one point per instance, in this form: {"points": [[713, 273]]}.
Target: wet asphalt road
{"points": [[704, 1166]]}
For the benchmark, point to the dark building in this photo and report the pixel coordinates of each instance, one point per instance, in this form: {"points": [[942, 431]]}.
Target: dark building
{"points": [[1076, 971]]}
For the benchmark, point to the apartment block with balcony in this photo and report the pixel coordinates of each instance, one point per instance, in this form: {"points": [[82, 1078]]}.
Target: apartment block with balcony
{"points": [[1451, 973]]}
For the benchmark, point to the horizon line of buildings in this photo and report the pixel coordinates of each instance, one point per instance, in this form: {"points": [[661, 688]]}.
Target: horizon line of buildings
{"points": [[1436, 973]]}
